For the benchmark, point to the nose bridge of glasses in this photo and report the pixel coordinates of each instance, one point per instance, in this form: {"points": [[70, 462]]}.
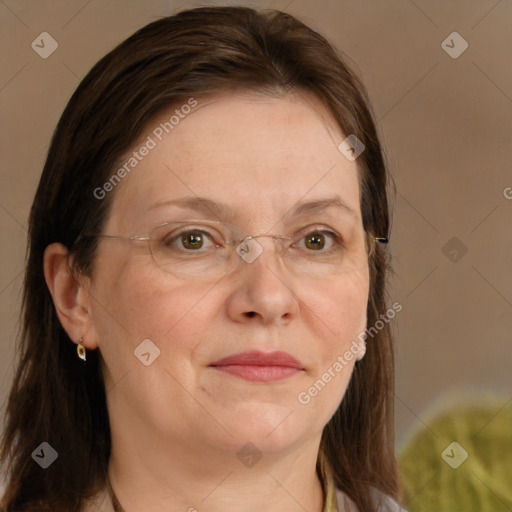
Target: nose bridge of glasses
{"points": [[271, 235], [251, 247]]}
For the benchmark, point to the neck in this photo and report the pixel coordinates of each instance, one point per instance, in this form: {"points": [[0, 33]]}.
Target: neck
{"points": [[150, 478]]}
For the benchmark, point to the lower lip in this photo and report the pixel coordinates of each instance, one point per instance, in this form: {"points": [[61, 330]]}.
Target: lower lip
{"points": [[259, 373]]}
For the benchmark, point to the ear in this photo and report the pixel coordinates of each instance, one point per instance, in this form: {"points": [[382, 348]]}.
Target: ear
{"points": [[70, 296]]}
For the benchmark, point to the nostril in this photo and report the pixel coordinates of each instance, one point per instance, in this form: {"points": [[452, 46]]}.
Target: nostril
{"points": [[250, 314]]}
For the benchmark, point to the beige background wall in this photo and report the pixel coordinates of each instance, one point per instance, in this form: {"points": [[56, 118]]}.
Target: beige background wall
{"points": [[446, 125]]}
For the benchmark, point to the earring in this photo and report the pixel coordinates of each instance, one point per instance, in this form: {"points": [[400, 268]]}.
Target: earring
{"points": [[81, 351], [362, 351]]}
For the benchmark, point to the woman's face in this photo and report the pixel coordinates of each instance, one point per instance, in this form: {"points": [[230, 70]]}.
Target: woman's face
{"points": [[261, 158]]}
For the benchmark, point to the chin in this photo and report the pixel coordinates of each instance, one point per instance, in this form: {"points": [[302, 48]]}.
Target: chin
{"points": [[269, 427]]}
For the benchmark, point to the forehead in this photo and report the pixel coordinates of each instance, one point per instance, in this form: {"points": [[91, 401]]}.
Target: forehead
{"points": [[260, 155]]}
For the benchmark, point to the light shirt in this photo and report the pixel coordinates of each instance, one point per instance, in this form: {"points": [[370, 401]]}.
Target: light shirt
{"points": [[337, 501]]}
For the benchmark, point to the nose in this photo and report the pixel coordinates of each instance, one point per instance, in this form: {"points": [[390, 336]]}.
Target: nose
{"points": [[263, 290]]}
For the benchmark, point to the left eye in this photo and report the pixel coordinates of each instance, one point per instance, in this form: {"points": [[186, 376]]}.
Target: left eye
{"points": [[318, 240]]}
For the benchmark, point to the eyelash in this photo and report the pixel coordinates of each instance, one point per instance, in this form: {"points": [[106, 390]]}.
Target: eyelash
{"points": [[337, 242]]}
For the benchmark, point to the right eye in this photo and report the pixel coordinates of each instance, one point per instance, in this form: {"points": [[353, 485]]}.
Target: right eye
{"points": [[190, 240]]}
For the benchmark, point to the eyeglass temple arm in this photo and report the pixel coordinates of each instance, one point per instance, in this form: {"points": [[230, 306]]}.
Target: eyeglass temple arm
{"points": [[380, 239]]}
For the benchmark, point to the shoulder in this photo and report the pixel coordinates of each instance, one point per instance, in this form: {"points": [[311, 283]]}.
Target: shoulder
{"points": [[383, 502], [99, 503]]}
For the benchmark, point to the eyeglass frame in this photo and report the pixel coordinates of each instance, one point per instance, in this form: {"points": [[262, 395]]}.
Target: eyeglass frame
{"points": [[148, 238]]}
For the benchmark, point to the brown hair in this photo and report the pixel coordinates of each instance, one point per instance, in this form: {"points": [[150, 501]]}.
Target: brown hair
{"points": [[195, 52]]}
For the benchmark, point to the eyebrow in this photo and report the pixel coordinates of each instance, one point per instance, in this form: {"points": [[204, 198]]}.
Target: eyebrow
{"points": [[309, 207], [208, 207]]}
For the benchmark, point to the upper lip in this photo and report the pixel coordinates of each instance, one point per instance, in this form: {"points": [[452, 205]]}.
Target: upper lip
{"points": [[257, 358]]}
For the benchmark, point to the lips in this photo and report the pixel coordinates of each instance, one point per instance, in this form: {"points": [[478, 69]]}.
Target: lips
{"points": [[258, 366], [256, 358]]}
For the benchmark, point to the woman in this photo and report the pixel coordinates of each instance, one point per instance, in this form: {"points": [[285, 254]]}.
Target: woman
{"points": [[206, 254]]}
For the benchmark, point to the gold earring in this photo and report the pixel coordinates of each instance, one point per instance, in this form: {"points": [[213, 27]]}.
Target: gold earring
{"points": [[80, 350], [362, 351]]}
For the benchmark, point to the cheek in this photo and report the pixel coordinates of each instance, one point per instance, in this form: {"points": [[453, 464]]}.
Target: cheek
{"points": [[340, 309], [337, 312], [139, 301]]}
